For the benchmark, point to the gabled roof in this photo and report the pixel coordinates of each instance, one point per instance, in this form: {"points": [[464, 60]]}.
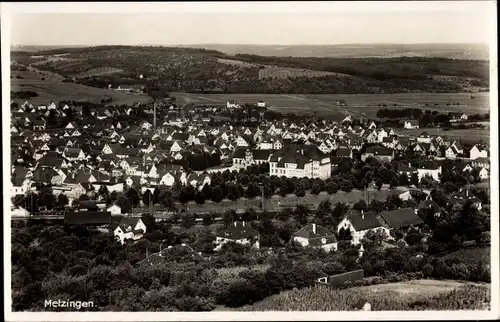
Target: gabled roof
{"points": [[237, 231], [363, 221], [401, 218], [316, 237]]}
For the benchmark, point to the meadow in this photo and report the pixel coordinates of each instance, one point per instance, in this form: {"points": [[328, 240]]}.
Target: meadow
{"points": [[284, 73], [411, 295], [53, 89], [357, 104], [464, 135]]}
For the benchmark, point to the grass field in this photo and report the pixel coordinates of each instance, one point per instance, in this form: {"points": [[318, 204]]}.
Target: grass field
{"points": [[412, 295], [52, 89], [357, 104], [465, 135], [283, 73], [276, 202]]}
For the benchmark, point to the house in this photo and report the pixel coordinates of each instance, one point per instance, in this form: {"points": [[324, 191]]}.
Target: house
{"points": [[243, 158], [115, 210], [129, 228], [261, 104], [301, 161], [380, 153], [20, 186], [407, 169], [431, 169], [451, 152], [359, 223], [411, 124], [238, 232], [481, 163], [478, 151], [400, 219], [424, 138], [459, 198], [313, 235], [457, 117]]}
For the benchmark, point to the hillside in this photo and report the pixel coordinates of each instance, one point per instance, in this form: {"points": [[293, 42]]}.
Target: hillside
{"points": [[201, 70], [452, 51]]}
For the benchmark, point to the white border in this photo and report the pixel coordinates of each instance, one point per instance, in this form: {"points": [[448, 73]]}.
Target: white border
{"points": [[8, 9]]}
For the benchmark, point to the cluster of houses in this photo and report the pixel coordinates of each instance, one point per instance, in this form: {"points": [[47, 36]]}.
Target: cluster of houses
{"points": [[83, 155]]}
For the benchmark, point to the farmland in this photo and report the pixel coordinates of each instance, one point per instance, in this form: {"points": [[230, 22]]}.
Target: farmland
{"points": [[412, 295], [283, 73], [465, 135], [197, 70], [357, 104], [53, 89]]}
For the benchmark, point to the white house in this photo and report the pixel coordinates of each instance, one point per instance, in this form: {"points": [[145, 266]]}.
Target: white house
{"points": [[115, 210], [359, 223], [129, 228], [411, 124], [316, 236], [431, 169], [240, 233], [483, 174], [478, 151]]}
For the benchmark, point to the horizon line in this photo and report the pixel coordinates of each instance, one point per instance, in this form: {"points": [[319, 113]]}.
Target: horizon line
{"points": [[240, 44]]}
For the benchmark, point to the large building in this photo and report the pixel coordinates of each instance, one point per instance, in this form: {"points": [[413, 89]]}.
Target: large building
{"points": [[301, 161]]}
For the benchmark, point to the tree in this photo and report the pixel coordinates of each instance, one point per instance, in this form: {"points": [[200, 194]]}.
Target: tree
{"points": [[253, 191], [403, 180], [187, 194], [301, 214], [346, 186], [229, 217], [133, 196], [18, 201], [199, 197], [300, 191], [207, 191], [103, 191], [188, 220], [149, 221], [217, 194], [124, 203], [46, 198], [360, 205], [208, 219], [332, 187], [268, 192], [147, 197], [62, 200], [316, 188]]}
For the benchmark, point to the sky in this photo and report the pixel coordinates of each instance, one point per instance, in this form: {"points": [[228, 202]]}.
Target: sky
{"points": [[293, 24]]}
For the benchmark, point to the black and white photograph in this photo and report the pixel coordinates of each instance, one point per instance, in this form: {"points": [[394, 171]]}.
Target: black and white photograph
{"points": [[250, 160]]}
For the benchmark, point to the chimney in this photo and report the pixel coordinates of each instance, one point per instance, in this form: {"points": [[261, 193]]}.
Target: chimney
{"points": [[314, 228]]}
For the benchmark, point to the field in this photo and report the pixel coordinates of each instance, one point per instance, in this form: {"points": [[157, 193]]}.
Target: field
{"points": [[52, 89], [465, 135], [276, 202], [357, 104], [233, 62], [412, 295], [99, 72], [283, 73]]}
